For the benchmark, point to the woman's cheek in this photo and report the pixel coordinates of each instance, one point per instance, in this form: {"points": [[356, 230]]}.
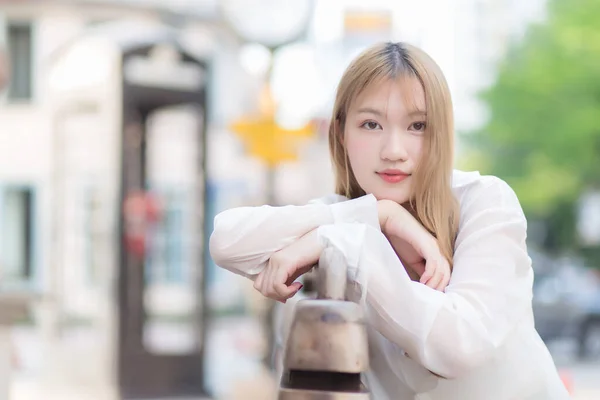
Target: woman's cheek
{"points": [[359, 143], [416, 149]]}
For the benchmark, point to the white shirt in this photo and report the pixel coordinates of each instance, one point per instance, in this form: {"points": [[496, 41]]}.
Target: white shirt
{"points": [[477, 337]]}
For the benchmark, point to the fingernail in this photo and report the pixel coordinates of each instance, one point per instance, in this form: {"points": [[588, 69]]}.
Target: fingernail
{"points": [[300, 288]]}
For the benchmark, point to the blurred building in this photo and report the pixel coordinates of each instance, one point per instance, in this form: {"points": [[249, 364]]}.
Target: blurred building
{"points": [[483, 33], [467, 38], [59, 158]]}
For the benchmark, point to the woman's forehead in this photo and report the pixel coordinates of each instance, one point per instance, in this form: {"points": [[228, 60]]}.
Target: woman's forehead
{"points": [[405, 92]]}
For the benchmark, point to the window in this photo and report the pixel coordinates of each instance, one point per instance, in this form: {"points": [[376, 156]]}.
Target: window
{"points": [[19, 41], [16, 228]]}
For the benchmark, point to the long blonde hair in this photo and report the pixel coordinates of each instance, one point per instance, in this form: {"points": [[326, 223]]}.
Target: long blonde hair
{"points": [[431, 200]]}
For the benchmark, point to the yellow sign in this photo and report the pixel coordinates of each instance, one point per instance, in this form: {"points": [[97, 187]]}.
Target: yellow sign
{"points": [[360, 21], [266, 139], [269, 141]]}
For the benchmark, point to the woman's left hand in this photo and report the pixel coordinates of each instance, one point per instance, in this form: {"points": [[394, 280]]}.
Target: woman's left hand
{"points": [[414, 245]]}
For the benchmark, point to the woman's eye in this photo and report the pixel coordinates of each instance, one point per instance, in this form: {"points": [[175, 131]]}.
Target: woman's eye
{"points": [[418, 126], [371, 125]]}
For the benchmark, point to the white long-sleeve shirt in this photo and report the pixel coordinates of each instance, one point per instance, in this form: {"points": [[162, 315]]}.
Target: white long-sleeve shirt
{"points": [[474, 341]]}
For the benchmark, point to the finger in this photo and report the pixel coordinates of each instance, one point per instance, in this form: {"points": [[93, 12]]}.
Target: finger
{"points": [[435, 279], [281, 276], [276, 277], [298, 273], [279, 285], [297, 286], [431, 267], [429, 272], [443, 283], [446, 281], [284, 292]]}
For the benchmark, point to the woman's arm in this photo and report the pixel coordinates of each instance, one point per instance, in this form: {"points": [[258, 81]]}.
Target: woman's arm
{"points": [[417, 249], [489, 292], [245, 238]]}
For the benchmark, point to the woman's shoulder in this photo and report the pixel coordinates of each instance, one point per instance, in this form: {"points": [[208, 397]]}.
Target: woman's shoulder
{"points": [[463, 180], [473, 189]]}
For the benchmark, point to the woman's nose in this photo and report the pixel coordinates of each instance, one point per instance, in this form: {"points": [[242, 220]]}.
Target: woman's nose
{"points": [[393, 147]]}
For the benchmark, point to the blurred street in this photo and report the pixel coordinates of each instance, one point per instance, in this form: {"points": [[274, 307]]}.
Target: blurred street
{"points": [[580, 376], [585, 381], [234, 374]]}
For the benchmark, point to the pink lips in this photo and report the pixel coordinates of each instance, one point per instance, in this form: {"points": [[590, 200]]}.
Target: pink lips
{"points": [[392, 175]]}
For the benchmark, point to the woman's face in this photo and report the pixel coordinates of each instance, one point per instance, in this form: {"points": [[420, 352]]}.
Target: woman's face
{"points": [[384, 135]]}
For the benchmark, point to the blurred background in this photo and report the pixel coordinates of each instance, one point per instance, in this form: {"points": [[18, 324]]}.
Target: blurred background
{"points": [[125, 126]]}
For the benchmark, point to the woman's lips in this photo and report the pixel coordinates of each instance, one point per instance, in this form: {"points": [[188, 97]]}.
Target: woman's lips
{"points": [[393, 177]]}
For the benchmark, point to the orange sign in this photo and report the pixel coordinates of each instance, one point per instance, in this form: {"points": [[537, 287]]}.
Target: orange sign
{"points": [[266, 139], [360, 21], [269, 141]]}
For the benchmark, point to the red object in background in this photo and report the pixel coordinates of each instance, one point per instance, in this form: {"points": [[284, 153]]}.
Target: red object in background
{"points": [[140, 211], [4, 69], [567, 380]]}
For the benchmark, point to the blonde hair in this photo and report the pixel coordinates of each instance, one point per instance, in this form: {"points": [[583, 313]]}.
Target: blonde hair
{"points": [[431, 200]]}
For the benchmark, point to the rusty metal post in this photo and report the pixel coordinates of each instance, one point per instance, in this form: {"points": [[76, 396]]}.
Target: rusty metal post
{"points": [[327, 350]]}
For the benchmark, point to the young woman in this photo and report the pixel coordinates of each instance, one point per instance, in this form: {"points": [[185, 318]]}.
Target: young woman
{"points": [[403, 219]]}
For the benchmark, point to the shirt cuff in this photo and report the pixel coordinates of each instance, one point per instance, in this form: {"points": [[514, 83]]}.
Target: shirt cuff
{"points": [[362, 210]]}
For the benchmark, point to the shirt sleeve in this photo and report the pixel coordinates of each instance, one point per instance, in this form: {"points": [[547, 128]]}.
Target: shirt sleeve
{"points": [[490, 290], [244, 238]]}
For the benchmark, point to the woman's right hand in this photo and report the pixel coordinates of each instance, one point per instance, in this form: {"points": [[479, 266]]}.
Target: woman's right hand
{"points": [[277, 280]]}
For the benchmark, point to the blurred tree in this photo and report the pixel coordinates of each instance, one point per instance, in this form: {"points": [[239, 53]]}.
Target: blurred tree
{"points": [[543, 135]]}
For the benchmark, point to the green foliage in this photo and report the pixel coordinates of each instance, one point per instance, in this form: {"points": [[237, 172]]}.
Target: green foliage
{"points": [[543, 135]]}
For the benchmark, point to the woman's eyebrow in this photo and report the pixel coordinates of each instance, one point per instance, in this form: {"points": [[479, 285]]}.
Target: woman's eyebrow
{"points": [[370, 110]]}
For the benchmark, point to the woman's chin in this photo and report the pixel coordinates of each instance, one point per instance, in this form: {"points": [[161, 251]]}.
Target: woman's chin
{"points": [[399, 198]]}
